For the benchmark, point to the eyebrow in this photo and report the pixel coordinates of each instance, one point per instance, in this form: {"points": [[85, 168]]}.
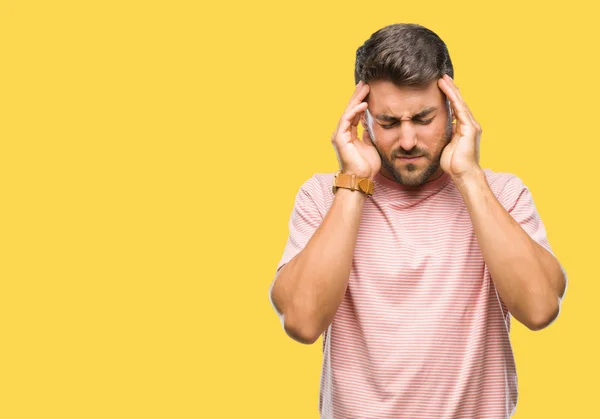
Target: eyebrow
{"points": [[421, 114]]}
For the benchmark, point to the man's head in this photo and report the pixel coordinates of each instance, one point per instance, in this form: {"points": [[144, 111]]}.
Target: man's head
{"points": [[410, 115]]}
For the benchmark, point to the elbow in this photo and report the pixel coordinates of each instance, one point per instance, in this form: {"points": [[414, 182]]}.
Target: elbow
{"points": [[535, 326], [293, 325], [300, 326], [543, 318], [543, 315], [302, 334]]}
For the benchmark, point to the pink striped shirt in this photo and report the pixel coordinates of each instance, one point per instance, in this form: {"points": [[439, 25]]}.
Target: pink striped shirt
{"points": [[421, 331]]}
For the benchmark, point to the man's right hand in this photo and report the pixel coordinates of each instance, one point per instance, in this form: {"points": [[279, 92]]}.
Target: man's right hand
{"points": [[355, 156]]}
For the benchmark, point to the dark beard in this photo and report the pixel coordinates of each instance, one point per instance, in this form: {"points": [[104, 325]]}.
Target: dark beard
{"points": [[429, 170]]}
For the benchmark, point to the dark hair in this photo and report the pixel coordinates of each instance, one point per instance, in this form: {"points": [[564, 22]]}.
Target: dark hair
{"points": [[403, 53]]}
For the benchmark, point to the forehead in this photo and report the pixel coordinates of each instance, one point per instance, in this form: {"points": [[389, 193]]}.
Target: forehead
{"points": [[387, 98]]}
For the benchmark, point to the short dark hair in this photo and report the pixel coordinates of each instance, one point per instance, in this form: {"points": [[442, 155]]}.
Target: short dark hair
{"points": [[404, 54]]}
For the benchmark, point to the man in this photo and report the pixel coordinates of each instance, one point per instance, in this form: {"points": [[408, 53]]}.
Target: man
{"points": [[413, 285]]}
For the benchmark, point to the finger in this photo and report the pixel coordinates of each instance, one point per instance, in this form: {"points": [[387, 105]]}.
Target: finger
{"points": [[359, 95], [353, 102], [461, 111], [455, 88], [452, 85], [351, 117], [356, 119], [356, 90]]}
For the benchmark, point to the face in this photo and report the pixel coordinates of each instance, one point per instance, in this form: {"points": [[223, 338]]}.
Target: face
{"points": [[410, 127]]}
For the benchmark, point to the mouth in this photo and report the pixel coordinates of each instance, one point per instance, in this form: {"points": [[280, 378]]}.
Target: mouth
{"points": [[409, 159]]}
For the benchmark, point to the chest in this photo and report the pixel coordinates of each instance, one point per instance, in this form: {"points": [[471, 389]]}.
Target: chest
{"points": [[404, 252]]}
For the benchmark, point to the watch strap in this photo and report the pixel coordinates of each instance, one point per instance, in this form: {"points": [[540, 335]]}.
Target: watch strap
{"points": [[353, 182]]}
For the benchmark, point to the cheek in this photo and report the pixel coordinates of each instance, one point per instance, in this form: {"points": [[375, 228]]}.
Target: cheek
{"points": [[385, 138], [434, 129], [432, 139], [432, 134]]}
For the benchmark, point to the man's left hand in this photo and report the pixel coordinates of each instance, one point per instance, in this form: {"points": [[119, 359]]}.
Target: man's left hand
{"points": [[461, 156]]}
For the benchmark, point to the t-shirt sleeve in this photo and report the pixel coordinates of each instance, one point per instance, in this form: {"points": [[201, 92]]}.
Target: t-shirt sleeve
{"points": [[304, 220], [520, 206]]}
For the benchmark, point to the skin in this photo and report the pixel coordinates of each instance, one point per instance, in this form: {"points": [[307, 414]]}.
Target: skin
{"points": [[309, 289], [528, 278], [408, 121]]}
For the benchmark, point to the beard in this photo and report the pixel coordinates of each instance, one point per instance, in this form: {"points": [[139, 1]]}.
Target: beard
{"points": [[413, 176]]}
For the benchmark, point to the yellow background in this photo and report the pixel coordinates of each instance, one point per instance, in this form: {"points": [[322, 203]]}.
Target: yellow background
{"points": [[150, 155]]}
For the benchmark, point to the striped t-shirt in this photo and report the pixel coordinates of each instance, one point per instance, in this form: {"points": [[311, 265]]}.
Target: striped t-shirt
{"points": [[421, 331]]}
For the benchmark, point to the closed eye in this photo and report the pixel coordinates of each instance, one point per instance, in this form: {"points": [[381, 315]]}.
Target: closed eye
{"points": [[423, 121], [418, 121], [388, 126]]}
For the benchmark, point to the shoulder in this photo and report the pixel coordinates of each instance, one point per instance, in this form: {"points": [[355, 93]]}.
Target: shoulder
{"points": [[318, 185], [506, 186], [317, 189], [501, 180]]}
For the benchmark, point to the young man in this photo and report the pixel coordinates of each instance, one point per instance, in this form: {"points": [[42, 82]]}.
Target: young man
{"points": [[412, 260]]}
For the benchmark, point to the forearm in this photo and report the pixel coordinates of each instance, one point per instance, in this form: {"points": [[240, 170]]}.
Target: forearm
{"points": [[528, 278], [309, 289]]}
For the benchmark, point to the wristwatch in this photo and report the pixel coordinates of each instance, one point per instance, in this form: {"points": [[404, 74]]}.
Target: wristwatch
{"points": [[353, 182]]}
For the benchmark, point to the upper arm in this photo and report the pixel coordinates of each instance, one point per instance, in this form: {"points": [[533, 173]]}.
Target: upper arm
{"points": [[304, 220], [517, 199], [523, 210]]}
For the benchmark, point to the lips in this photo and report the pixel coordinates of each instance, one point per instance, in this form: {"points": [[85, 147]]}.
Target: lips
{"points": [[409, 157]]}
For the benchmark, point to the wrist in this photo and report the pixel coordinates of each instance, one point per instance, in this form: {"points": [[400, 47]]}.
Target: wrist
{"points": [[353, 182], [358, 174], [350, 195], [470, 178]]}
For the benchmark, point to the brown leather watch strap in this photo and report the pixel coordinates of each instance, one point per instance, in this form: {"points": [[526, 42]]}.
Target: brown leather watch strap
{"points": [[353, 182]]}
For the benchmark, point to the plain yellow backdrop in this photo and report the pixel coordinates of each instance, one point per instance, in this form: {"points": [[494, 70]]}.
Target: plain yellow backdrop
{"points": [[150, 155]]}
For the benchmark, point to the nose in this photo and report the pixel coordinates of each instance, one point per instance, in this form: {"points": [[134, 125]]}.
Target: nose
{"points": [[407, 135]]}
